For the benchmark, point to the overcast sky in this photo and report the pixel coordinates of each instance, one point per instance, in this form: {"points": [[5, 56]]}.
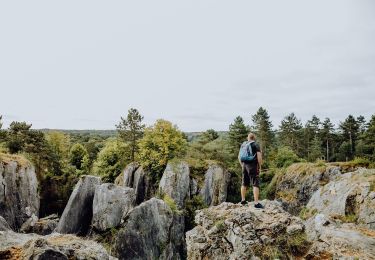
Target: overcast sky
{"points": [[83, 64]]}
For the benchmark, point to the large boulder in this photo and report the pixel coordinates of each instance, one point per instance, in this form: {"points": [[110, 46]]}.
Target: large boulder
{"points": [[175, 182], [150, 233], [349, 198], [55, 246], [334, 240], [111, 203], [233, 231], [128, 174], [77, 214], [19, 198], [215, 186]]}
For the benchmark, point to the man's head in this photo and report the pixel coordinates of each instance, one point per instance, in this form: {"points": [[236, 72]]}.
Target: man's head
{"points": [[251, 137]]}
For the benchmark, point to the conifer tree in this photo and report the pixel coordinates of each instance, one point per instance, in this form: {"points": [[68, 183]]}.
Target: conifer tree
{"points": [[262, 127]]}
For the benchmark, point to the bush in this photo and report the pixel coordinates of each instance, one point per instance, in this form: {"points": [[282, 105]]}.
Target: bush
{"points": [[285, 157]]}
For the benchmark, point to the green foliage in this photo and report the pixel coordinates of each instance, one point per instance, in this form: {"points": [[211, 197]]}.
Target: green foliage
{"points": [[131, 130], [161, 143], [285, 157], [307, 213], [262, 127], [172, 204], [291, 133], [237, 134], [111, 160], [315, 150], [79, 159], [18, 136]]}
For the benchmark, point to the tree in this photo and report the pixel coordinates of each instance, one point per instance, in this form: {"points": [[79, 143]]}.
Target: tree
{"points": [[112, 160], [131, 130], [237, 134], [17, 136], [326, 135], [369, 138], [2, 133], [311, 130], [160, 143], [79, 158], [315, 150], [350, 131], [291, 133], [210, 135], [262, 127]]}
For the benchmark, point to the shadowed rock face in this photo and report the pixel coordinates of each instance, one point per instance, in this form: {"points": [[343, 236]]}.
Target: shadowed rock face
{"points": [[175, 182], [110, 204], [77, 214], [150, 232], [19, 198], [233, 231], [4, 224], [215, 186]]}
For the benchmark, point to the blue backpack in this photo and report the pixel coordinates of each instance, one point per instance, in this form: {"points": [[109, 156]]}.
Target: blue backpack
{"points": [[246, 152]]}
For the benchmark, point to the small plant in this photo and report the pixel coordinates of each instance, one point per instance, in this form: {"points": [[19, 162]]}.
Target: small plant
{"points": [[307, 213], [172, 204]]}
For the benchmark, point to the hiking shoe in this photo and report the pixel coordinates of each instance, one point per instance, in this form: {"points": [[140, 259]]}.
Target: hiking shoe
{"points": [[243, 202], [258, 206]]}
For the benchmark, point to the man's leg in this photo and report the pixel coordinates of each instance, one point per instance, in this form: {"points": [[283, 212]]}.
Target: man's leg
{"points": [[256, 194], [243, 192]]}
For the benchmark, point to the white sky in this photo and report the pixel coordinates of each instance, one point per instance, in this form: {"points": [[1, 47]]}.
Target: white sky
{"points": [[199, 64]]}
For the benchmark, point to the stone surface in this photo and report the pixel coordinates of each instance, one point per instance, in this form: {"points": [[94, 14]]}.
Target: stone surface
{"points": [[151, 231], [128, 174], [175, 182], [141, 185], [194, 188], [233, 231], [334, 240], [111, 203], [4, 224], [43, 226], [77, 214], [215, 186], [347, 197], [19, 198], [55, 246]]}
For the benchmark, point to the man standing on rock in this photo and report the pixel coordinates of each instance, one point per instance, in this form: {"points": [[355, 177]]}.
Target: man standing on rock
{"points": [[250, 158]]}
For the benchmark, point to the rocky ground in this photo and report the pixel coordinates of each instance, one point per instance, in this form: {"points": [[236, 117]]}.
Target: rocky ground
{"points": [[320, 211]]}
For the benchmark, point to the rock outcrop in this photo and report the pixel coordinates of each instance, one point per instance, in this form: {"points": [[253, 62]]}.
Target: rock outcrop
{"points": [[19, 198], [333, 240], [233, 231], [111, 203], [175, 182], [42, 226], [215, 186], [77, 214], [149, 233], [349, 196], [4, 224], [55, 246]]}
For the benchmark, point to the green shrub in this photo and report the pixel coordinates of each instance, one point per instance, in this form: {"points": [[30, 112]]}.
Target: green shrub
{"points": [[285, 157]]}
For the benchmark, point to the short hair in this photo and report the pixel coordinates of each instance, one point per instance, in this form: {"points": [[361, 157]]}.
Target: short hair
{"points": [[251, 136]]}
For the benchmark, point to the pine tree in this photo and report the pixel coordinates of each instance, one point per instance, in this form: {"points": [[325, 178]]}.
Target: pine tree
{"points": [[315, 149], [262, 127], [311, 130], [237, 134], [350, 131], [326, 134], [131, 130], [291, 133]]}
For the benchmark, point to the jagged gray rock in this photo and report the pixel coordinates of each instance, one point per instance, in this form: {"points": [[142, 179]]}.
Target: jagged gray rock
{"points": [[128, 174], [4, 224], [77, 214], [141, 185], [348, 196], [233, 231], [215, 186], [333, 240], [111, 203], [42, 226], [19, 198], [175, 182], [194, 188], [55, 246], [150, 233]]}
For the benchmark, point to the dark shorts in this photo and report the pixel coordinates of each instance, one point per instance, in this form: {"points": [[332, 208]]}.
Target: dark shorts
{"points": [[250, 175]]}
